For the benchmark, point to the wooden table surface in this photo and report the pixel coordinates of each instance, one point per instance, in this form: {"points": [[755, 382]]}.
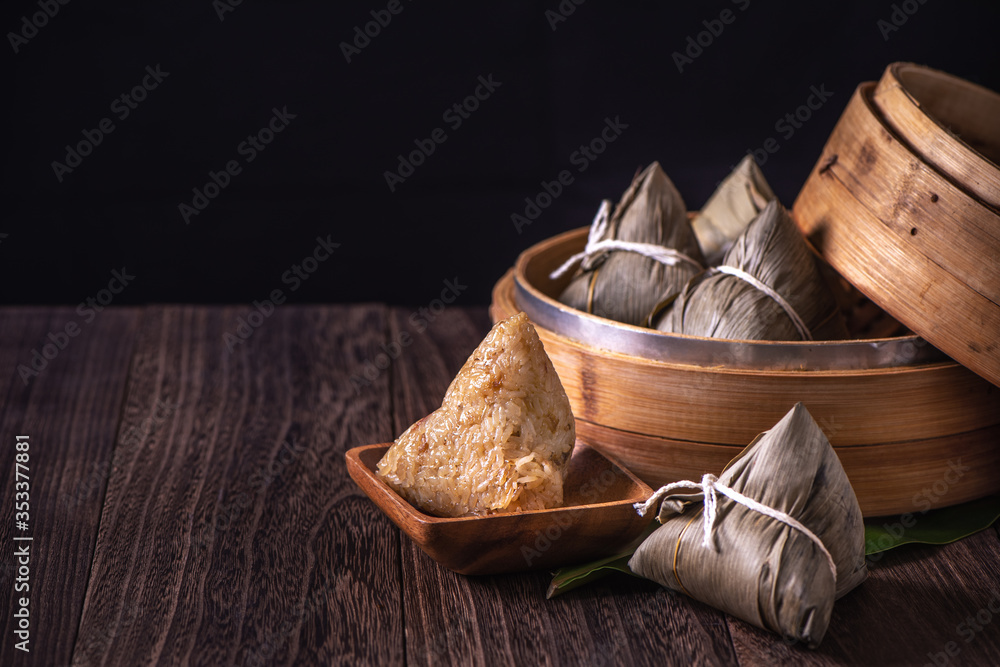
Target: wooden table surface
{"points": [[189, 504]]}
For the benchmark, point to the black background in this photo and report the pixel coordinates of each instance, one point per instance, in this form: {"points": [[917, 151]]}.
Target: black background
{"points": [[324, 174]]}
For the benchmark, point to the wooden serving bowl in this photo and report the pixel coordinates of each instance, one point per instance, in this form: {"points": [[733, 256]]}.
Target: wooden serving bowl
{"points": [[598, 517], [914, 241], [899, 413]]}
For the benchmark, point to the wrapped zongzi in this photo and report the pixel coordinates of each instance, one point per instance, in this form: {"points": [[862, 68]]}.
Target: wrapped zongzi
{"points": [[645, 249], [768, 287], [737, 201], [774, 540]]}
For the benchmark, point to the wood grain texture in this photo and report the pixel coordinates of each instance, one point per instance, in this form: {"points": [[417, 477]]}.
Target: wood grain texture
{"points": [[231, 533], [70, 411], [914, 608], [457, 620], [918, 246], [954, 230], [947, 121]]}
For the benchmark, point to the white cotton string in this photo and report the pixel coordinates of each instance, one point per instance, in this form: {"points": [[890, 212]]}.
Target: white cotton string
{"points": [[596, 246], [663, 491], [787, 307], [710, 487]]}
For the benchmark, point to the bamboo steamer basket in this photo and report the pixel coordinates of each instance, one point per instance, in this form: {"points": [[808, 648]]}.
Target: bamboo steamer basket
{"points": [[911, 238], [913, 429], [951, 124]]}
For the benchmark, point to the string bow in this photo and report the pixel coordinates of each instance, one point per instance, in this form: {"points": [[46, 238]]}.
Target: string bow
{"points": [[598, 246], [709, 488]]}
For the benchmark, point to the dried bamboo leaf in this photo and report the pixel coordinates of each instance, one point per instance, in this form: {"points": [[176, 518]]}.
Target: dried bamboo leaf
{"points": [[623, 285], [738, 199], [760, 569], [771, 250]]}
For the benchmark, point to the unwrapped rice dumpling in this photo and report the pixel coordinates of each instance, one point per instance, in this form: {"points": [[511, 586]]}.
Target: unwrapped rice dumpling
{"points": [[644, 249], [737, 201], [768, 287], [501, 440], [755, 563]]}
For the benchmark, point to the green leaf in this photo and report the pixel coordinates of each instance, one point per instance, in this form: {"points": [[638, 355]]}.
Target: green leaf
{"points": [[567, 578], [940, 526]]}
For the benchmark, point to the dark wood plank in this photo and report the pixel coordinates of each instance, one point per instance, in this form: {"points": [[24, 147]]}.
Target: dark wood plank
{"points": [[452, 619], [231, 533], [919, 603], [70, 411]]}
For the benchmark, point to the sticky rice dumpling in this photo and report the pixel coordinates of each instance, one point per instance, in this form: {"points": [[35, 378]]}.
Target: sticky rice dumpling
{"points": [[501, 440], [750, 564], [768, 287], [644, 249], [739, 198]]}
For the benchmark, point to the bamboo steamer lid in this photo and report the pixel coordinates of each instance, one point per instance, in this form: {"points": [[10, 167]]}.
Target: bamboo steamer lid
{"points": [[952, 124], [914, 240]]}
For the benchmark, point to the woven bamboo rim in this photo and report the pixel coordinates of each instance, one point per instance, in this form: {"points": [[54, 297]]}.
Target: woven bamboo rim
{"points": [[916, 244], [534, 295], [952, 124]]}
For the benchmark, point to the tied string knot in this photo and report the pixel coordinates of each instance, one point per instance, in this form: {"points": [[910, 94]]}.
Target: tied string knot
{"points": [[598, 246], [709, 488]]}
